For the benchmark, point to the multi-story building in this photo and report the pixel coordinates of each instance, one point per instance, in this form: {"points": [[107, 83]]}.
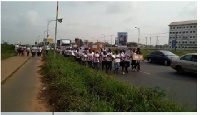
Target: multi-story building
{"points": [[185, 34]]}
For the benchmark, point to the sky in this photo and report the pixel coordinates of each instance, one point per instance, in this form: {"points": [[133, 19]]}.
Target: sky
{"points": [[98, 113], [26, 22]]}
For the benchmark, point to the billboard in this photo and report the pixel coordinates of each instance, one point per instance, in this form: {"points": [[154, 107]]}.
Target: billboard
{"points": [[122, 39], [50, 40]]}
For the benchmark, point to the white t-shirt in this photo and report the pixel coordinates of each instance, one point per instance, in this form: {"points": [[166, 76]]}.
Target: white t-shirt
{"points": [[109, 56], [90, 56]]}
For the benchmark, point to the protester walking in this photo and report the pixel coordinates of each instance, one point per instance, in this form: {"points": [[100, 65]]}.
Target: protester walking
{"points": [[133, 62], [109, 61], [138, 62], [27, 51], [96, 60], [116, 62], [122, 62]]}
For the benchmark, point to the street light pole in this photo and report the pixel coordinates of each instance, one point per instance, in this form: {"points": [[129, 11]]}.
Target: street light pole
{"points": [[56, 31], [138, 34]]}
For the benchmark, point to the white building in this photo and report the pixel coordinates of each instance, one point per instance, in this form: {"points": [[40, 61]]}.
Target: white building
{"points": [[185, 34]]}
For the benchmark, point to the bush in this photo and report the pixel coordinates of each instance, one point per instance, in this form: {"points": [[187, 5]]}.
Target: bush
{"points": [[72, 87], [7, 51]]}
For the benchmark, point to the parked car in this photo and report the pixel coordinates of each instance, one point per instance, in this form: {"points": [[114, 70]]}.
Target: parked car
{"points": [[161, 56], [186, 63]]}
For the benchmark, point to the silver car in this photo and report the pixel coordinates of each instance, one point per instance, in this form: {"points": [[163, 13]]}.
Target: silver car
{"points": [[186, 63]]}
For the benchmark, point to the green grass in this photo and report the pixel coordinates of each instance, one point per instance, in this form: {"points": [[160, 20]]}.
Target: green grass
{"points": [[72, 87], [7, 51]]}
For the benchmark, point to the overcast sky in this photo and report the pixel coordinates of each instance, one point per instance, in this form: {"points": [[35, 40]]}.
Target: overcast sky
{"points": [[98, 113], [25, 21]]}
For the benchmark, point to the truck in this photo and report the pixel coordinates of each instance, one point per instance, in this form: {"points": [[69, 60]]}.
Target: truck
{"points": [[62, 44]]}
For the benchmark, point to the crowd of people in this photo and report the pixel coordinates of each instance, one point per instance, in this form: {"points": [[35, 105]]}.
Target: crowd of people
{"points": [[23, 50], [104, 59]]}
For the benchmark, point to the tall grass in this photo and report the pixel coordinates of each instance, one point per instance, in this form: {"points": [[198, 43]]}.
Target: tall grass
{"points": [[72, 87], [7, 51]]}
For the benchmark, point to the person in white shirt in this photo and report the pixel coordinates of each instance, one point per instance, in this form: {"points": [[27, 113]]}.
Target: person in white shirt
{"points": [[16, 49], [47, 49], [96, 60], [122, 62], [109, 61], [90, 56], [28, 51], [116, 62], [133, 63], [103, 59], [127, 60]]}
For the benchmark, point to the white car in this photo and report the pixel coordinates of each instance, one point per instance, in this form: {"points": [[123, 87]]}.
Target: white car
{"points": [[186, 63]]}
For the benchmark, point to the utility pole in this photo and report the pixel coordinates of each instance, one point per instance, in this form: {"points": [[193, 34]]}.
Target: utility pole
{"points": [[146, 42], [150, 42], [157, 43], [56, 30]]}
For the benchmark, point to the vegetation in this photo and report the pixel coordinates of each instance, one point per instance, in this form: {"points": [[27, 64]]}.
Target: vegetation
{"points": [[72, 87], [7, 51]]}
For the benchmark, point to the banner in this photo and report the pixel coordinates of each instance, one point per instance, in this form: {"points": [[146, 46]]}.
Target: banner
{"points": [[138, 57], [122, 38]]}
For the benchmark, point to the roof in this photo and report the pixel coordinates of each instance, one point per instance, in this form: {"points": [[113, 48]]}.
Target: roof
{"points": [[183, 23]]}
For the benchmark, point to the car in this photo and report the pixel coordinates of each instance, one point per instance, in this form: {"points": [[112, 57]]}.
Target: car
{"points": [[186, 63], [161, 56]]}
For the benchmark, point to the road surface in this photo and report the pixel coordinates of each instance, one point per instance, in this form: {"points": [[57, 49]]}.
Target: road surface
{"points": [[19, 91], [181, 88]]}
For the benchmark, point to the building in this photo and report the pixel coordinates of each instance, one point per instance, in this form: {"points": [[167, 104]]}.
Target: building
{"points": [[185, 34]]}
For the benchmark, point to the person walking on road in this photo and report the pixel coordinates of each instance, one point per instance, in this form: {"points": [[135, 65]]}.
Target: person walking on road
{"points": [[133, 62], [47, 49], [16, 49], [122, 62], [96, 60], [127, 60], [109, 61], [138, 62], [116, 62], [28, 51]]}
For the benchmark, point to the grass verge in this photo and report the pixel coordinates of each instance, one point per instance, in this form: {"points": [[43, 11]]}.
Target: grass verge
{"points": [[72, 87], [7, 51]]}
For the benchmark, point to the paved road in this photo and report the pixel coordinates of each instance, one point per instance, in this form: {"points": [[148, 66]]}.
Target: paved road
{"points": [[19, 90], [181, 88]]}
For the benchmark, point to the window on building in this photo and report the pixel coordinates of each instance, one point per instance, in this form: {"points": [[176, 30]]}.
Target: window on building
{"points": [[193, 31], [186, 26], [186, 42], [183, 42], [179, 37], [170, 32], [183, 26], [190, 31], [186, 32], [190, 36], [193, 42], [179, 27], [183, 32], [170, 47], [170, 27], [190, 42], [193, 36], [173, 27], [173, 32], [190, 26], [185, 36], [179, 32], [194, 26]]}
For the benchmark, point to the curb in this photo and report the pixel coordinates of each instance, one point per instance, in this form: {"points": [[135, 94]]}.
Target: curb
{"points": [[2, 82]]}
